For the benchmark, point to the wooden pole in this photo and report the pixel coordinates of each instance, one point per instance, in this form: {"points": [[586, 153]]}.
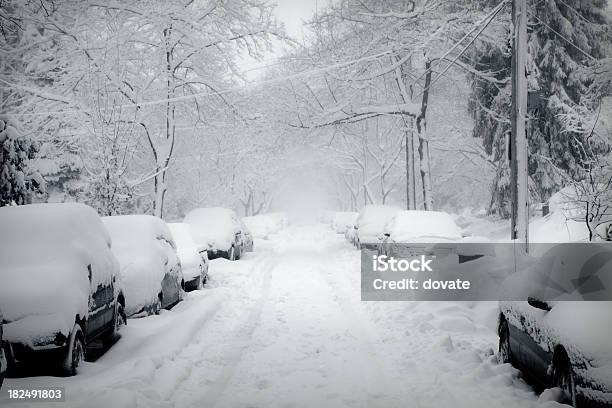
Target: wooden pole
{"points": [[518, 145]]}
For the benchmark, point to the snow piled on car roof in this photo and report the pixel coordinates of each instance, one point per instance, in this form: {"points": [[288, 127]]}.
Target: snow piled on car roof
{"points": [[410, 225], [186, 249], [45, 251], [372, 221], [144, 261], [213, 228]]}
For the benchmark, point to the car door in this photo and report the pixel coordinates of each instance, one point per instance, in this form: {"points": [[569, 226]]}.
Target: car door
{"points": [[171, 282], [534, 358], [100, 305]]}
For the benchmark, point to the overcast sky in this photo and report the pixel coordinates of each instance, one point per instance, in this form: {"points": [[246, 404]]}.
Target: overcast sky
{"points": [[292, 13]]}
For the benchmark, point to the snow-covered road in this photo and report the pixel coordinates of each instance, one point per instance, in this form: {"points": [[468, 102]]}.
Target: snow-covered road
{"points": [[285, 327]]}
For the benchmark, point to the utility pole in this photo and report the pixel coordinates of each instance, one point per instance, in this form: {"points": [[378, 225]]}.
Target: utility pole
{"points": [[518, 144]]}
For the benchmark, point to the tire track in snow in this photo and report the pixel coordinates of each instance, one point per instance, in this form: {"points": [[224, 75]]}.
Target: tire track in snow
{"points": [[246, 327]]}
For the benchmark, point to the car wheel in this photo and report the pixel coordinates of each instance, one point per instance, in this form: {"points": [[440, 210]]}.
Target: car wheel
{"points": [[75, 352], [563, 377], [505, 353], [120, 320], [158, 305]]}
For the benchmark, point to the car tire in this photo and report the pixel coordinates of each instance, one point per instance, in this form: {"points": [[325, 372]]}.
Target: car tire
{"points": [[75, 352], [157, 307], [563, 378], [505, 352], [119, 321]]}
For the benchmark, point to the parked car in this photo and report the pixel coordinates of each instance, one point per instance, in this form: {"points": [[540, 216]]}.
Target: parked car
{"points": [[422, 226], [560, 335], [370, 225], [217, 231], [351, 235], [194, 266], [247, 238], [59, 283], [150, 267], [3, 362], [343, 221], [258, 226], [561, 344]]}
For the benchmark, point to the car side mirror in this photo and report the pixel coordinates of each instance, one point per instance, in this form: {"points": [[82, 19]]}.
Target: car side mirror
{"points": [[539, 304]]}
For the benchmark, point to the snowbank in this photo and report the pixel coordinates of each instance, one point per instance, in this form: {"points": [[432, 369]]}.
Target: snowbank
{"points": [[45, 252], [191, 261], [372, 221], [146, 251], [564, 223], [342, 221], [213, 228]]}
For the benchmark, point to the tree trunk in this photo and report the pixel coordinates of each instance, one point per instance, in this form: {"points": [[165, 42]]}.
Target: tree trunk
{"points": [[421, 124]]}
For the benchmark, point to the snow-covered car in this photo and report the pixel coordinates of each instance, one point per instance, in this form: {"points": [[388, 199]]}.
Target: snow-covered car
{"points": [[258, 226], [59, 283], [343, 221], [246, 238], [351, 235], [422, 226], [193, 265], [370, 225], [564, 344], [217, 231], [150, 268], [3, 362]]}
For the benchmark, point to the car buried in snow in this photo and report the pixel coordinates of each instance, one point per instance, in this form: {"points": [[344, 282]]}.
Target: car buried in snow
{"points": [[193, 265], [59, 284], [217, 231], [246, 238], [343, 221], [370, 225], [151, 271], [560, 337]]}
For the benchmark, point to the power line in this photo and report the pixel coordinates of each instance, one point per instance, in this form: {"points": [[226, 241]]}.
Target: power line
{"points": [[491, 17], [217, 93], [563, 37]]}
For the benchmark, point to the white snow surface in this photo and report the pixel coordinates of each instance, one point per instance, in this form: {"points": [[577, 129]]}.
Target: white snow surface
{"points": [[213, 228], [285, 327], [45, 249], [187, 250], [146, 251], [407, 226], [372, 221]]}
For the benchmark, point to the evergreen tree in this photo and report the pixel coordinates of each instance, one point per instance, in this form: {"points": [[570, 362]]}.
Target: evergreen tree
{"points": [[566, 38], [17, 182]]}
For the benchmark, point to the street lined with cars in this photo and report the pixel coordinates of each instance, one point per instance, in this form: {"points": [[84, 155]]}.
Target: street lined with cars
{"points": [[284, 323]]}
